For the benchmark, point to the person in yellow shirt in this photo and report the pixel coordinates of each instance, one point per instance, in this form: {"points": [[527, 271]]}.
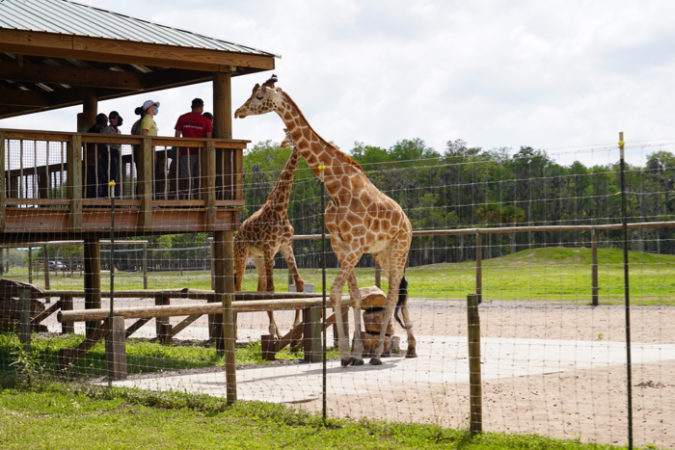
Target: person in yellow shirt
{"points": [[148, 125]]}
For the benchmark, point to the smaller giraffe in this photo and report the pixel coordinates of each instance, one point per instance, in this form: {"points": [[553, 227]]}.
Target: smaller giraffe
{"points": [[268, 231]]}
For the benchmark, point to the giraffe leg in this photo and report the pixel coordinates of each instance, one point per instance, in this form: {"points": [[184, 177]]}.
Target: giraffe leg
{"points": [[355, 295], [336, 299], [286, 250], [269, 278], [396, 266]]}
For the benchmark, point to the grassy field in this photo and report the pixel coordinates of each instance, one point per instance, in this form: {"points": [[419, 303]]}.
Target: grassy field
{"points": [[561, 274], [57, 416]]}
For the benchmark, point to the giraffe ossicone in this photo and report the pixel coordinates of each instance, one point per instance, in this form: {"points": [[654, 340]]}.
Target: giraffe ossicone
{"points": [[359, 218]]}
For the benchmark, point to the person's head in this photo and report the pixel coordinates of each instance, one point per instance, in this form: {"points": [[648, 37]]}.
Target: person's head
{"points": [[115, 119], [197, 105], [101, 120], [151, 107], [208, 115], [139, 111]]}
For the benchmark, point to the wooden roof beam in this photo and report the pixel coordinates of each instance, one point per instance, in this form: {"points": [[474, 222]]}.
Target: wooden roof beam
{"points": [[70, 75], [127, 52], [19, 97]]}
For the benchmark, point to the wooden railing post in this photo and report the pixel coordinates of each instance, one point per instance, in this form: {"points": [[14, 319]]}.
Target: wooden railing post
{"points": [[208, 182], [74, 182], [145, 184], [3, 192]]}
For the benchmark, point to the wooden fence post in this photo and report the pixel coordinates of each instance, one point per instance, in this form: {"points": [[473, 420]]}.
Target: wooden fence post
{"points": [[479, 266], [311, 317], [115, 350], [594, 267], [475, 385], [24, 330]]}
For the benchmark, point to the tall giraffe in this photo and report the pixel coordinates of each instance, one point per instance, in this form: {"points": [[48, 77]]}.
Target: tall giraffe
{"points": [[359, 218], [268, 231]]}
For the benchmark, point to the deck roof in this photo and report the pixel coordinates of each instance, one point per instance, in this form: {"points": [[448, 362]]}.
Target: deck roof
{"points": [[52, 51]]}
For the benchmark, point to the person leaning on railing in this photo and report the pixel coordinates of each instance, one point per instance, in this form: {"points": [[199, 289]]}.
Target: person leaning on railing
{"points": [[96, 153], [191, 125]]}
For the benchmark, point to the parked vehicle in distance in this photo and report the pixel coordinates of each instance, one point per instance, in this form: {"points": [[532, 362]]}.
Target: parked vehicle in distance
{"points": [[57, 265]]}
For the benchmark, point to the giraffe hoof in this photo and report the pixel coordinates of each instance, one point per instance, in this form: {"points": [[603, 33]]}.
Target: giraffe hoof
{"points": [[411, 353], [375, 361], [356, 361], [345, 362]]}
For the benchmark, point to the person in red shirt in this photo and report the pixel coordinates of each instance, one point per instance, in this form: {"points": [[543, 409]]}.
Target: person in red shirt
{"points": [[191, 125]]}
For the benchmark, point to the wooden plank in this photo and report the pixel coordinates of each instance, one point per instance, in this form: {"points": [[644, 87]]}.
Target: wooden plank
{"points": [[71, 75], [69, 356], [92, 280], [46, 313], [145, 185], [135, 326], [183, 324], [139, 312]]}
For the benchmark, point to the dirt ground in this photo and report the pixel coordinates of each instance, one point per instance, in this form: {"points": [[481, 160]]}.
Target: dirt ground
{"points": [[571, 401]]}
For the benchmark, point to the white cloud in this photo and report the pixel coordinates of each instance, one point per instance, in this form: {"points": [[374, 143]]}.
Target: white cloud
{"points": [[549, 74]]}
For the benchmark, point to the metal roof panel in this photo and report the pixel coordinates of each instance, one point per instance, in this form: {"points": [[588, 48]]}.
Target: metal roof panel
{"points": [[68, 17]]}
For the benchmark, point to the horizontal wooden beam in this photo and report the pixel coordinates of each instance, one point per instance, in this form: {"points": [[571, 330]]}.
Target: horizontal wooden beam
{"points": [[88, 48], [21, 98], [140, 312], [70, 75]]}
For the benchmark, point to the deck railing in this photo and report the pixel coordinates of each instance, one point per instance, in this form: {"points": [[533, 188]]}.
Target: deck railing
{"points": [[44, 169]]}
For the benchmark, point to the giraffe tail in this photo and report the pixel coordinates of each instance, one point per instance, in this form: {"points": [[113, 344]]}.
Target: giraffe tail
{"points": [[402, 299]]}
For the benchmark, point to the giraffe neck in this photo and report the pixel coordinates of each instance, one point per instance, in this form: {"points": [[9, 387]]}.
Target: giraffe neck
{"points": [[315, 149], [281, 192]]}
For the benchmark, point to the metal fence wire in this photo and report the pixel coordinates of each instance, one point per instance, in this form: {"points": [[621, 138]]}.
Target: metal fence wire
{"points": [[540, 286]]}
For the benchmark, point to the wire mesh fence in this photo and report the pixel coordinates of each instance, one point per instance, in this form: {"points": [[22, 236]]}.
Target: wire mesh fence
{"points": [[536, 235]]}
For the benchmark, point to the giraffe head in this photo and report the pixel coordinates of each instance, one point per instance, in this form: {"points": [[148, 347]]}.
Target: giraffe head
{"points": [[263, 99]]}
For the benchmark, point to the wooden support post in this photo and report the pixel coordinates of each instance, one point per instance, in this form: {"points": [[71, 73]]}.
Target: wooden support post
{"points": [[30, 264], [92, 279], [475, 384], [45, 265], [135, 326], [162, 324], [3, 193], [145, 265], [67, 305], [479, 267], [74, 182], [311, 340], [224, 280], [145, 184], [115, 350], [594, 268]]}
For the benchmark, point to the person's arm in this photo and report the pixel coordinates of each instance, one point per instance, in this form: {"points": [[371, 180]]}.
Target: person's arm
{"points": [[177, 134], [144, 132], [209, 134]]}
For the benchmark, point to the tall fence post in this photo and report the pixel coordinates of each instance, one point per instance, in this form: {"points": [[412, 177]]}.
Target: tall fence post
{"points": [[479, 266], [475, 385], [594, 267]]}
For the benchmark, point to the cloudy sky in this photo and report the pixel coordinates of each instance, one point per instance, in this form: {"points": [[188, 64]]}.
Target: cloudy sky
{"points": [[554, 75]]}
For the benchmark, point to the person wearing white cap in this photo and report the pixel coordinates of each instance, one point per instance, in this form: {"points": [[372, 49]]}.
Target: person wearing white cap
{"points": [[148, 125]]}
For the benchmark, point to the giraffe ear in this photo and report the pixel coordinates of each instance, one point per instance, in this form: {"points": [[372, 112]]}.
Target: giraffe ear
{"points": [[257, 85]]}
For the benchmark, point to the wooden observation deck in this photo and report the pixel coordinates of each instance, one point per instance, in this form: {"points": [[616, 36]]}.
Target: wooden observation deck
{"points": [[44, 187]]}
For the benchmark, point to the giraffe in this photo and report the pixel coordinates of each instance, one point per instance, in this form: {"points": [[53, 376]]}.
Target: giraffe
{"points": [[266, 232], [359, 217]]}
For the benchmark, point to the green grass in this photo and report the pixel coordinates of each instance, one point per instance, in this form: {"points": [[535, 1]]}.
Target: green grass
{"points": [[58, 416], [561, 274], [142, 356]]}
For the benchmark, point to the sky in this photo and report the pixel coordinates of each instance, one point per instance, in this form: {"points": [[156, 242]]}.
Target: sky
{"points": [[561, 76]]}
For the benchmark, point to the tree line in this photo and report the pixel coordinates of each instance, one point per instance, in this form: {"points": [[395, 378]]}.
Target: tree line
{"points": [[463, 187]]}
